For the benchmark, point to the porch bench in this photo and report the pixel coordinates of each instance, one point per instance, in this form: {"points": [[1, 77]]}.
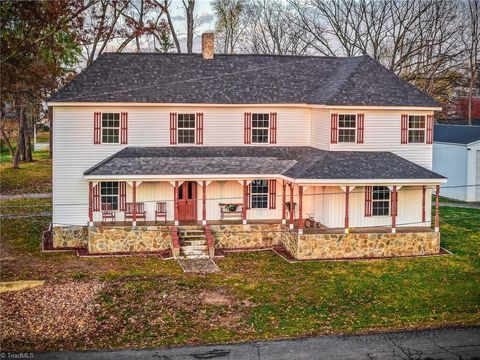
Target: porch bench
{"points": [[226, 213], [140, 211]]}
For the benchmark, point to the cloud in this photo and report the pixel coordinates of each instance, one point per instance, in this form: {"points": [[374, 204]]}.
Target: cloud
{"points": [[206, 18], [178, 18]]}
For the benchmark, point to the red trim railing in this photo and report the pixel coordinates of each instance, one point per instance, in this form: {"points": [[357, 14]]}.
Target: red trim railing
{"points": [[210, 241], [175, 242]]}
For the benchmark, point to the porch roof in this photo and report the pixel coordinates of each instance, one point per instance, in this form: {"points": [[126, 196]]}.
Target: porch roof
{"points": [[292, 162]]}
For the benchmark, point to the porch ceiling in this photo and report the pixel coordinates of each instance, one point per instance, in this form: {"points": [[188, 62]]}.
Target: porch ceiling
{"points": [[292, 162]]}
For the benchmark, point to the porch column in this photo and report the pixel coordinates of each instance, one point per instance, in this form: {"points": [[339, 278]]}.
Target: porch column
{"points": [[347, 197], [90, 203], [437, 214], [394, 209], [300, 209], [291, 206], [134, 215], [245, 202], [284, 210], [424, 189], [175, 204], [204, 202]]}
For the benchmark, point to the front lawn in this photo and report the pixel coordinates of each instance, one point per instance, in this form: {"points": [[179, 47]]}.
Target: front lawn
{"points": [[146, 302], [34, 177]]}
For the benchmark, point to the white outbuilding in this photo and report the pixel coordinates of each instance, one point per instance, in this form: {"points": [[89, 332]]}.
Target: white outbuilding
{"points": [[456, 155]]}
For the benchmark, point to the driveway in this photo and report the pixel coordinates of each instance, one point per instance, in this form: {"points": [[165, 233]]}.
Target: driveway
{"points": [[451, 343]]}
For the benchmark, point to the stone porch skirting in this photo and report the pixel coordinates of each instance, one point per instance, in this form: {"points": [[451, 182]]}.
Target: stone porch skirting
{"points": [[105, 239]]}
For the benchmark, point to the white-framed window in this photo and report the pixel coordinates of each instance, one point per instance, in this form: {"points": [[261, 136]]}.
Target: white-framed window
{"points": [[347, 127], [186, 128], [110, 128], [109, 193], [381, 201], [416, 129], [260, 127], [259, 195]]}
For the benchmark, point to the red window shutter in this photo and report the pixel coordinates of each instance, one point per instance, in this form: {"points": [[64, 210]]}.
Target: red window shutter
{"points": [[247, 134], [123, 195], [124, 128], [273, 128], [334, 128], [404, 136], [97, 125], [199, 128], [272, 187], [173, 128], [429, 129], [96, 197], [368, 200], [249, 191], [360, 128]]}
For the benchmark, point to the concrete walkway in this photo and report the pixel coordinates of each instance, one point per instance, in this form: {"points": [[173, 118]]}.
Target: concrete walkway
{"points": [[26, 196], [445, 344]]}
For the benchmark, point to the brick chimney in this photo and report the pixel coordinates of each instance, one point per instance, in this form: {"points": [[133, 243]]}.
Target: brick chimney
{"points": [[207, 46]]}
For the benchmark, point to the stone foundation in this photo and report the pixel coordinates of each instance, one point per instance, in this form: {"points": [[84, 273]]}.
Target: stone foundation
{"points": [[248, 236], [69, 236], [104, 239], [122, 239], [338, 246]]}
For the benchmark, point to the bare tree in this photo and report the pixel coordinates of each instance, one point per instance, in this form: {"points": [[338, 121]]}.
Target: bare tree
{"points": [[230, 23], [471, 40], [189, 6], [101, 26], [271, 29], [165, 5]]}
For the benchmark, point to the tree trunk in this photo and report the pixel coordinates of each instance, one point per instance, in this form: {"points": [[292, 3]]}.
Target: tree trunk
{"points": [[28, 137], [19, 150], [189, 12]]}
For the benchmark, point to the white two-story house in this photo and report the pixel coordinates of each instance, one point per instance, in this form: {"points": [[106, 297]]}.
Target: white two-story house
{"points": [[327, 157]]}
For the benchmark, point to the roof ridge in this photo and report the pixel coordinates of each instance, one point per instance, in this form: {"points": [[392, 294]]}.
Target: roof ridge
{"points": [[347, 77]]}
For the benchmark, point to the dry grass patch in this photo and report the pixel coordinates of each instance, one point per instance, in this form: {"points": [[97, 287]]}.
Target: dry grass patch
{"points": [[53, 316]]}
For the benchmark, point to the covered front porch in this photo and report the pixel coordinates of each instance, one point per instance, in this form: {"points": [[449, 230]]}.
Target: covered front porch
{"points": [[304, 208]]}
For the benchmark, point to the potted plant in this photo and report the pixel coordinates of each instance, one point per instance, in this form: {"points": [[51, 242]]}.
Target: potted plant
{"points": [[231, 207]]}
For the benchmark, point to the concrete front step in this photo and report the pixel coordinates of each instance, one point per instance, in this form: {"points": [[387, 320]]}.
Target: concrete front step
{"points": [[189, 242]]}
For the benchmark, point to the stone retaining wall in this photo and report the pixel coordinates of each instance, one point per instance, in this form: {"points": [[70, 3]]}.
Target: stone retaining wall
{"points": [[69, 236], [338, 246], [248, 236], [103, 239]]}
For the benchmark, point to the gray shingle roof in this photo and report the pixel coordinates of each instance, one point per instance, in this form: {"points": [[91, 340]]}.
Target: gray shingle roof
{"points": [[240, 79], [294, 162], [457, 134]]}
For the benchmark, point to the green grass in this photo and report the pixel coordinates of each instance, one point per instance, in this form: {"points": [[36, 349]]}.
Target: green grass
{"points": [[148, 302], [34, 177]]}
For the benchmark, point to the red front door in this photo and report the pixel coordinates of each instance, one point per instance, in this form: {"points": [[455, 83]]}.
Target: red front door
{"points": [[187, 200]]}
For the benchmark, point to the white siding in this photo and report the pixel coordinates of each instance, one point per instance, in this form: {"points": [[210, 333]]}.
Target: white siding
{"points": [[329, 207], [382, 132], [74, 152], [450, 160], [320, 129]]}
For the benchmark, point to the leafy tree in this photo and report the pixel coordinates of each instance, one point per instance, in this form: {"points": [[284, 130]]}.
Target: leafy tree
{"points": [[39, 47]]}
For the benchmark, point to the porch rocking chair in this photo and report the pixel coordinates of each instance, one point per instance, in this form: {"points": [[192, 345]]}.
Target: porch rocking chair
{"points": [[161, 211], [107, 213]]}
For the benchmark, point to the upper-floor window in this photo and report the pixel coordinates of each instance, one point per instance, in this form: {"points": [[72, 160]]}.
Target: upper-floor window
{"points": [[259, 194], [109, 193], [381, 201], [416, 129], [186, 128], [110, 128], [260, 126], [347, 125]]}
